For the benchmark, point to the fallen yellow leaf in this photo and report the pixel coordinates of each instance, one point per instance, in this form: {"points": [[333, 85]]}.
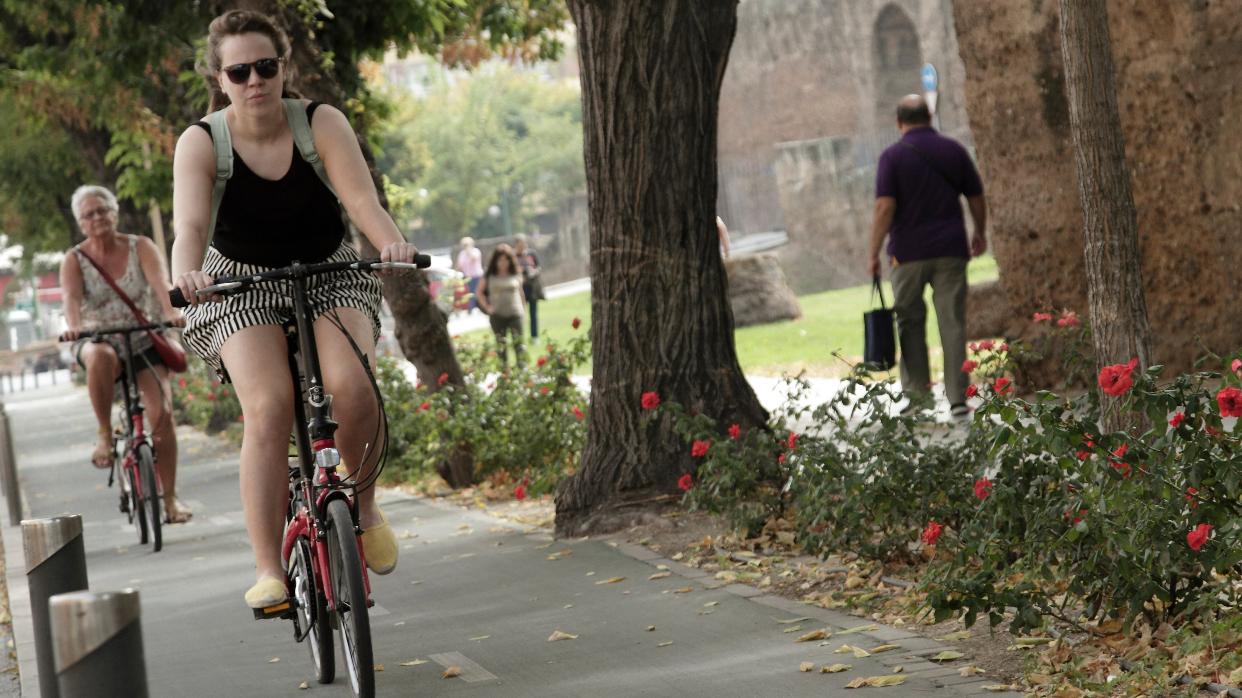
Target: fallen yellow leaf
{"points": [[659, 575], [650, 628], [954, 637], [379, 667], [877, 681], [558, 635], [273, 660], [883, 648], [451, 672], [970, 670], [414, 662], [813, 635], [1031, 641], [791, 620], [858, 651], [709, 604], [835, 668], [479, 638], [610, 580], [683, 590], [947, 656], [561, 554], [860, 629], [303, 686], [806, 666], [792, 629], [665, 644], [1001, 688]]}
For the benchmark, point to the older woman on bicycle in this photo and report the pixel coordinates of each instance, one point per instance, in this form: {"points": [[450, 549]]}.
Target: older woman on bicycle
{"points": [[275, 210], [136, 266]]}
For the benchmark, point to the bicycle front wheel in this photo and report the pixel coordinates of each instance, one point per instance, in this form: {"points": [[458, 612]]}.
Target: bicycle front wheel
{"points": [[149, 499], [354, 622]]}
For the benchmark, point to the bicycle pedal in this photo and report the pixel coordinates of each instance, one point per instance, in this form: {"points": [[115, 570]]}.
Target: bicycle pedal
{"points": [[284, 609]]}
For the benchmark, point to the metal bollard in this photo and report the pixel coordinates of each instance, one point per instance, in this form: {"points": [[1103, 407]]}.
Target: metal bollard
{"points": [[55, 564], [98, 640], [8, 470]]}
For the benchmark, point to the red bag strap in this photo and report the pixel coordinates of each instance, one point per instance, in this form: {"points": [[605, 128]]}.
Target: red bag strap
{"points": [[138, 314]]}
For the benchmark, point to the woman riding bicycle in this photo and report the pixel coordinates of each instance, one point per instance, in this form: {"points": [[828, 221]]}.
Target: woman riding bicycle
{"points": [[276, 211], [136, 266]]}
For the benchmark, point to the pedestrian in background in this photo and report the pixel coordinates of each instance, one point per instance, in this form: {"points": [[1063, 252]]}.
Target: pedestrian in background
{"points": [[500, 296], [470, 264], [532, 282], [919, 182]]}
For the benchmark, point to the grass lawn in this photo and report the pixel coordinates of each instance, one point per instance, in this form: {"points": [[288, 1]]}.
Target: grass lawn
{"points": [[831, 322]]}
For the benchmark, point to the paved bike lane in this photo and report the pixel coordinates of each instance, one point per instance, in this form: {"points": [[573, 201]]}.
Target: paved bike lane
{"points": [[471, 591]]}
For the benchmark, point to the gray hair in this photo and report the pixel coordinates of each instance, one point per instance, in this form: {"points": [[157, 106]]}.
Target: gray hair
{"points": [[80, 194]]}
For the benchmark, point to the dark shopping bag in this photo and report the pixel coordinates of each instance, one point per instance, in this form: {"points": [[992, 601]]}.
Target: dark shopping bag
{"points": [[880, 347]]}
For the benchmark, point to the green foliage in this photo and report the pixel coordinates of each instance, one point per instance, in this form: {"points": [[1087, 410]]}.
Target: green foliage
{"points": [[202, 401], [527, 423], [495, 137]]}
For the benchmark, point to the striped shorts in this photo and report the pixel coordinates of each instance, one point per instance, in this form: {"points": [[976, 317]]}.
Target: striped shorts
{"points": [[209, 325]]}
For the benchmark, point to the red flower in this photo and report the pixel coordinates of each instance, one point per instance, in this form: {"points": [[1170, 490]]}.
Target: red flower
{"points": [[1211, 430], [519, 492], [442, 379], [576, 323], [211, 396], [735, 432], [1081, 513], [651, 400], [1083, 455], [1198, 536], [699, 448], [543, 390], [685, 482], [780, 458], [1190, 496], [973, 347], [971, 390], [986, 345], [1068, 318], [1003, 386], [1230, 401], [424, 407], [579, 413], [1041, 317], [791, 441], [181, 382], [1004, 346], [1177, 420], [541, 361], [1115, 380], [1123, 468], [189, 397], [1236, 366], [968, 366], [983, 487], [1120, 451], [932, 533]]}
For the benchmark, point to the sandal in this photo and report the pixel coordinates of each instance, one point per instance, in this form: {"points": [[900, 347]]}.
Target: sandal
{"points": [[174, 513], [268, 591], [104, 449]]}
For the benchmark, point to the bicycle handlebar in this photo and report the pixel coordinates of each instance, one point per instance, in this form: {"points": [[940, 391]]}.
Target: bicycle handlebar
{"points": [[127, 329], [226, 284]]}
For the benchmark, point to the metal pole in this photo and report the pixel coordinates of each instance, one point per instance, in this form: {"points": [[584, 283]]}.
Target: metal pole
{"points": [[55, 564], [98, 639], [8, 470]]}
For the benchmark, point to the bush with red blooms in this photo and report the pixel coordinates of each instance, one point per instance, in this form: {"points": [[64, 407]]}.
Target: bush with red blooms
{"points": [[200, 400]]}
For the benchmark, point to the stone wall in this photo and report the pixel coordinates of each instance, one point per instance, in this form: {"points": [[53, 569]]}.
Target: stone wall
{"points": [[1177, 75], [809, 78]]}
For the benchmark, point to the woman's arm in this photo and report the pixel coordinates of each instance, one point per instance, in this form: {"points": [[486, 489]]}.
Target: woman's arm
{"points": [[194, 175], [342, 159], [152, 263], [72, 289], [480, 295]]}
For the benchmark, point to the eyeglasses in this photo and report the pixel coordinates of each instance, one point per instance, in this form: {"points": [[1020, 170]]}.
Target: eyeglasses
{"points": [[94, 213], [265, 67]]}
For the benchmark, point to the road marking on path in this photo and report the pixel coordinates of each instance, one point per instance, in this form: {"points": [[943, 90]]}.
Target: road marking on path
{"points": [[470, 670]]}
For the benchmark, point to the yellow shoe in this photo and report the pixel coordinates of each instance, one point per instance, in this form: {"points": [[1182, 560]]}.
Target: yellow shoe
{"points": [[379, 545], [268, 591]]}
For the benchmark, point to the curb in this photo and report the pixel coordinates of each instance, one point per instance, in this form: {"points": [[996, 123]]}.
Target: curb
{"points": [[915, 648], [19, 603]]}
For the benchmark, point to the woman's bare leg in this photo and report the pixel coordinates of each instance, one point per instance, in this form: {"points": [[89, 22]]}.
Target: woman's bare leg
{"points": [[257, 361], [102, 369]]}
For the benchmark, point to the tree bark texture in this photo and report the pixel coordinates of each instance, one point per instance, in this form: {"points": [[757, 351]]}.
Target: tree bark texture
{"points": [[1118, 309], [651, 74]]}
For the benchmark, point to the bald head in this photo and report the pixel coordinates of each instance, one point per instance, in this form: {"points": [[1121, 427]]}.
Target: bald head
{"points": [[912, 111]]}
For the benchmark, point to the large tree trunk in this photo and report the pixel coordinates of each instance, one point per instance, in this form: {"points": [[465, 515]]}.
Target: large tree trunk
{"points": [[651, 75], [1119, 326], [421, 328]]}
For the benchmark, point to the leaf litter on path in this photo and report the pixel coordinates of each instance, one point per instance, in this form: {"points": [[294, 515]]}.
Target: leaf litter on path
{"points": [[560, 635], [877, 681], [820, 634]]}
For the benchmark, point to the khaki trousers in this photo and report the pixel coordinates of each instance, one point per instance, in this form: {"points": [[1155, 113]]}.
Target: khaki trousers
{"points": [[947, 277]]}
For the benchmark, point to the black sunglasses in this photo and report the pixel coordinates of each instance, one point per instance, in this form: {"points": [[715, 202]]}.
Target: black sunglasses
{"points": [[265, 67]]}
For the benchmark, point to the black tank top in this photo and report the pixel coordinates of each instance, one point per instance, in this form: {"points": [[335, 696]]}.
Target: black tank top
{"points": [[272, 223]]}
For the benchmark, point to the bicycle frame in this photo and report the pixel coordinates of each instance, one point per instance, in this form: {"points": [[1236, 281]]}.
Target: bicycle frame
{"points": [[318, 482], [133, 406]]}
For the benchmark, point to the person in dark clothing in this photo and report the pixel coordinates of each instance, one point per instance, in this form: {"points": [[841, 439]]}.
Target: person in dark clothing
{"points": [[532, 283], [919, 182]]}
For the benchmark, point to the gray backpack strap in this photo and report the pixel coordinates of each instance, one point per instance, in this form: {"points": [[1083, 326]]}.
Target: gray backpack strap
{"points": [[295, 112], [223, 143]]}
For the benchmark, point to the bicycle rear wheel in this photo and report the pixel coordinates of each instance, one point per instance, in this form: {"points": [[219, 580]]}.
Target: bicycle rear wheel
{"points": [[354, 621], [312, 613], [149, 496]]}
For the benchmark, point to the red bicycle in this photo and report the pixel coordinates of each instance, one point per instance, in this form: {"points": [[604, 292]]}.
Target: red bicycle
{"points": [[140, 488], [329, 588]]}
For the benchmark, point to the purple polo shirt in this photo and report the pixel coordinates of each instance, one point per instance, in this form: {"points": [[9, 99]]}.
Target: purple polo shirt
{"points": [[928, 222]]}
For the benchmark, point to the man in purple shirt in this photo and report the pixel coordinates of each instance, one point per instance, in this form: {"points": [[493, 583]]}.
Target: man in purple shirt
{"points": [[919, 182]]}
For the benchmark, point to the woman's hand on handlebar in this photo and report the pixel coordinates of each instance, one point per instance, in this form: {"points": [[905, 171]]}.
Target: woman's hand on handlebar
{"points": [[397, 252], [70, 334], [189, 283]]}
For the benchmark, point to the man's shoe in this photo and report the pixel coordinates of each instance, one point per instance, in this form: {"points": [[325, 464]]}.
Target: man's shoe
{"points": [[379, 545], [959, 410]]}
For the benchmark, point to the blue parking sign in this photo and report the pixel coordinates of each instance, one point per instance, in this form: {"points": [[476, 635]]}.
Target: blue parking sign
{"points": [[930, 79]]}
